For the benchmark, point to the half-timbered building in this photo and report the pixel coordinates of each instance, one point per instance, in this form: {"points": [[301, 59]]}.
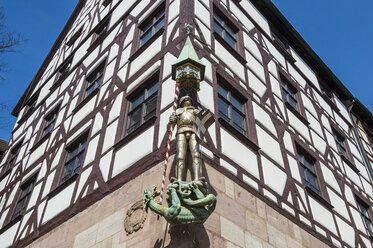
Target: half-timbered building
{"points": [[288, 157]]}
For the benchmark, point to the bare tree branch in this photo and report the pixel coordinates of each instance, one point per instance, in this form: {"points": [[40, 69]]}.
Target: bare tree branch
{"points": [[8, 42]]}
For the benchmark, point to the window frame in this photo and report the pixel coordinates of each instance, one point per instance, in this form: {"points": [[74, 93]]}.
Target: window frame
{"points": [[77, 144], [96, 76], [105, 3], [161, 9], [367, 219], [64, 69], [144, 92], [289, 91], [224, 25], [308, 170], [53, 114], [221, 82], [12, 158], [340, 143], [74, 37], [29, 184]]}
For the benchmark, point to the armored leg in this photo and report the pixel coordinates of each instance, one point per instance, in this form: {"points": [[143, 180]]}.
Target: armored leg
{"points": [[180, 154], [196, 155]]}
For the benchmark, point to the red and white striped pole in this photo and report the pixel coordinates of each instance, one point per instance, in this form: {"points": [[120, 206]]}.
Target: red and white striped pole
{"points": [[177, 90]]}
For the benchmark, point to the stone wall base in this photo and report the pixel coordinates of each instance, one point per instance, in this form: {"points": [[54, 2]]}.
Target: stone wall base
{"points": [[239, 220]]}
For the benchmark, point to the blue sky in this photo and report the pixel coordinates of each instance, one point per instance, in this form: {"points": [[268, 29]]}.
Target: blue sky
{"points": [[340, 32]]}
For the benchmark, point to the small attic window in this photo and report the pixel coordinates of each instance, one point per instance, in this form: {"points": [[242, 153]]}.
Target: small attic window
{"points": [[105, 3], [75, 36]]}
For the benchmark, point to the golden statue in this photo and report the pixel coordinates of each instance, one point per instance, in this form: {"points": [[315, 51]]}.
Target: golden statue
{"points": [[185, 117]]}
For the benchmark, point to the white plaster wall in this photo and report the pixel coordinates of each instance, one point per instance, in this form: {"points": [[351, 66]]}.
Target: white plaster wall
{"points": [[91, 150], [144, 75], [294, 168], [115, 110], [205, 96], [322, 215], [145, 56], [131, 153], [83, 112], [105, 165], [304, 67], [228, 166], [110, 136], [243, 156], [256, 15], [58, 203], [83, 179], [274, 177], [264, 119], [256, 85], [6, 238], [270, 146], [229, 60], [347, 231]]}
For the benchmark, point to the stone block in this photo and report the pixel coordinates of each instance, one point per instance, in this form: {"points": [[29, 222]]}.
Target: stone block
{"points": [[153, 177], [102, 209], [277, 220], [215, 178], [267, 245], [261, 208], [110, 225], [232, 232], [87, 238], [212, 224], [243, 197], [276, 237], [292, 243], [252, 241], [230, 245], [229, 187], [230, 209], [256, 225], [217, 242], [129, 193]]}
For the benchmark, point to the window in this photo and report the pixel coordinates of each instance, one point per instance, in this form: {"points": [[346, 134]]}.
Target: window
{"points": [[326, 91], [74, 159], [50, 121], [281, 41], [94, 80], [75, 36], [21, 205], [289, 93], [231, 109], [31, 104], [151, 26], [65, 68], [225, 29], [142, 107], [307, 166], [105, 3], [101, 30], [340, 144], [364, 211], [12, 157]]}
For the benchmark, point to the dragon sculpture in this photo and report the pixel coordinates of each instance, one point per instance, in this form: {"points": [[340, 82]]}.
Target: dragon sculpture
{"points": [[188, 203]]}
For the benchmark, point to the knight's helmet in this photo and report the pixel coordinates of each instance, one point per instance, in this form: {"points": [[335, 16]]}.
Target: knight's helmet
{"points": [[185, 98]]}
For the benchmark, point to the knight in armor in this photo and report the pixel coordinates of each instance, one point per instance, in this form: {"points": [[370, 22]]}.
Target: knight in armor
{"points": [[185, 117]]}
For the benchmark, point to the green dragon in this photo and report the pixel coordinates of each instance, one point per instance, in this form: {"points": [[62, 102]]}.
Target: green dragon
{"points": [[187, 204]]}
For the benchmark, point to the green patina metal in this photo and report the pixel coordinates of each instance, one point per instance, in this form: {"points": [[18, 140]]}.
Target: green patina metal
{"points": [[188, 203], [188, 70]]}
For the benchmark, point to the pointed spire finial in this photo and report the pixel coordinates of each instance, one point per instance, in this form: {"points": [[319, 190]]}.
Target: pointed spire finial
{"points": [[188, 28]]}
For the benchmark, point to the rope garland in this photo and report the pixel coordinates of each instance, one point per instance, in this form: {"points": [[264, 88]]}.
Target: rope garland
{"points": [[177, 91]]}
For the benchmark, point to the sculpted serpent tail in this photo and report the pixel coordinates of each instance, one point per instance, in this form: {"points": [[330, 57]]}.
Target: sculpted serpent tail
{"points": [[183, 208]]}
